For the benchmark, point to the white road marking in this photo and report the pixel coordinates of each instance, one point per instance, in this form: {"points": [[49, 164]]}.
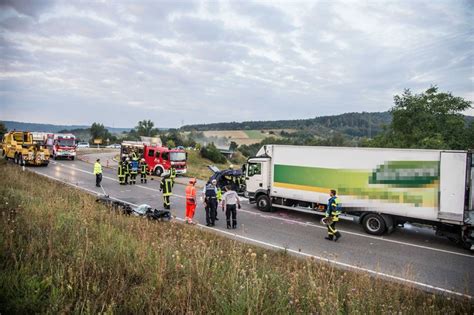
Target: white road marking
{"points": [[305, 223], [297, 252]]}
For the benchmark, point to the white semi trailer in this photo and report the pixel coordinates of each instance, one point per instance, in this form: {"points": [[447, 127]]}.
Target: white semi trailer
{"points": [[379, 188]]}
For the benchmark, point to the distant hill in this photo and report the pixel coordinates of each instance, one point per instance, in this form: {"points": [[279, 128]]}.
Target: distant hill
{"points": [[351, 124], [11, 125]]}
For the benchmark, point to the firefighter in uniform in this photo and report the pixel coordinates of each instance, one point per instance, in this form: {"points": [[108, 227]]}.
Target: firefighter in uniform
{"points": [[166, 187], [133, 171], [332, 216], [143, 171], [172, 175], [190, 200], [126, 168], [121, 173]]}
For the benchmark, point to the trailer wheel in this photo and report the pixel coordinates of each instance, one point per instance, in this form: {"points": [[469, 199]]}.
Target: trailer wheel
{"points": [[263, 203], [374, 224]]}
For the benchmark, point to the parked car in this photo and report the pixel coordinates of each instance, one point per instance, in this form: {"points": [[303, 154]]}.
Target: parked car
{"points": [[83, 145], [114, 146]]}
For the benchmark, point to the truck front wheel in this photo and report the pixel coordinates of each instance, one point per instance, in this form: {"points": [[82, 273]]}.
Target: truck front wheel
{"points": [[158, 171], [374, 224], [263, 203]]}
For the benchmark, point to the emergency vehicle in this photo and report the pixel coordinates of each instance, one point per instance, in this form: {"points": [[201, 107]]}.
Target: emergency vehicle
{"points": [[159, 159], [62, 145]]}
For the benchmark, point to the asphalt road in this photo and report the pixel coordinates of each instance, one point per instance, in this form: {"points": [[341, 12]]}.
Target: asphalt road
{"points": [[412, 255]]}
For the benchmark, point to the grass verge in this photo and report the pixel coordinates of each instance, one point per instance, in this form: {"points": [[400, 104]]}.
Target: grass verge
{"points": [[62, 252], [197, 166]]}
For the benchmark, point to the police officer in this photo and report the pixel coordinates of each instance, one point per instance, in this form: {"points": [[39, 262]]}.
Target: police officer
{"points": [[210, 202], [332, 216], [121, 173], [166, 187], [143, 171], [133, 171]]}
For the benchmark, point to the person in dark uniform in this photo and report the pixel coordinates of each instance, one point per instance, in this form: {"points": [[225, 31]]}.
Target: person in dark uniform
{"points": [[332, 216], [143, 171], [210, 203]]}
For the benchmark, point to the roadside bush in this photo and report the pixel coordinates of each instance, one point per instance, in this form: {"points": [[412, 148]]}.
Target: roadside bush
{"points": [[212, 153]]}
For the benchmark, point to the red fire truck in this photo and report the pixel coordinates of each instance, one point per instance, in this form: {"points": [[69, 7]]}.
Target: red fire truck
{"points": [[159, 159]]}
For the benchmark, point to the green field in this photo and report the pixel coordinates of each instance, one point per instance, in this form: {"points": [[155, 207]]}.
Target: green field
{"points": [[62, 252], [256, 134]]}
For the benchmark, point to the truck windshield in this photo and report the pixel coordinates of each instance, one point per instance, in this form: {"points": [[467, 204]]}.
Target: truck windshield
{"points": [[254, 169], [177, 156], [66, 142]]}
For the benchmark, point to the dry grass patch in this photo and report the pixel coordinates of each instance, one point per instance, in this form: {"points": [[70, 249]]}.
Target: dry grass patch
{"points": [[61, 252]]}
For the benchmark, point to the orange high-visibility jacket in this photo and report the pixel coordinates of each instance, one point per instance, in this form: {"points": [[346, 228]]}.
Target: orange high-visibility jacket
{"points": [[190, 194]]}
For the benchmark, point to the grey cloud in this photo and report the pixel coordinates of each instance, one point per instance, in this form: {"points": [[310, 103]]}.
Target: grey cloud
{"points": [[66, 26], [199, 29], [27, 7], [265, 16], [171, 62]]}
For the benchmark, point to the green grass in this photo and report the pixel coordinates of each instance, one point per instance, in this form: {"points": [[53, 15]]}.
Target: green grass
{"points": [[61, 252], [255, 134], [197, 166]]}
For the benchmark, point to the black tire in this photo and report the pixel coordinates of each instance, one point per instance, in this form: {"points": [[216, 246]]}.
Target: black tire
{"points": [[374, 224], [22, 162], [15, 159], [72, 158], [263, 203], [158, 171]]}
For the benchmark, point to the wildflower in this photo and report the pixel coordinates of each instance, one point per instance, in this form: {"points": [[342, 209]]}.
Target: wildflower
{"points": [[253, 255]]}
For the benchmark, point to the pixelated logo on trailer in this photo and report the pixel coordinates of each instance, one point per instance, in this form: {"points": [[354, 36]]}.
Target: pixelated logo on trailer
{"points": [[406, 173]]}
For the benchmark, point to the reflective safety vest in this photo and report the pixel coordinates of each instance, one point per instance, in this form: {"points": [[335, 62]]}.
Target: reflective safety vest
{"points": [[219, 194], [166, 186], [190, 194], [144, 168], [333, 209], [172, 173], [121, 170], [97, 168], [134, 167]]}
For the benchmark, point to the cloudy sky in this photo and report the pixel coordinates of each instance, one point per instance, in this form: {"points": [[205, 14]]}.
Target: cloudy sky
{"points": [[175, 62]]}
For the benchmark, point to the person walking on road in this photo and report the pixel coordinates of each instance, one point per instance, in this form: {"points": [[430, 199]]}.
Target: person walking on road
{"points": [[166, 187], [210, 202], [98, 172], [332, 216], [143, 171], [230, 201], [190, 200]]}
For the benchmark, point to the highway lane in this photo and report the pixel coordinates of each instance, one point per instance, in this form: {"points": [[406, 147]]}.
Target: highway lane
{"points": [[412, 255]]}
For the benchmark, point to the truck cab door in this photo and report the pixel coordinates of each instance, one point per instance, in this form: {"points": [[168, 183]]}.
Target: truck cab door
{"points": [[256, 175]]}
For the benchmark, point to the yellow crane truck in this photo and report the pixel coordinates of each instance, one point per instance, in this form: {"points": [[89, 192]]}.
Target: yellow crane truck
{"points": [[19, 146]]}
